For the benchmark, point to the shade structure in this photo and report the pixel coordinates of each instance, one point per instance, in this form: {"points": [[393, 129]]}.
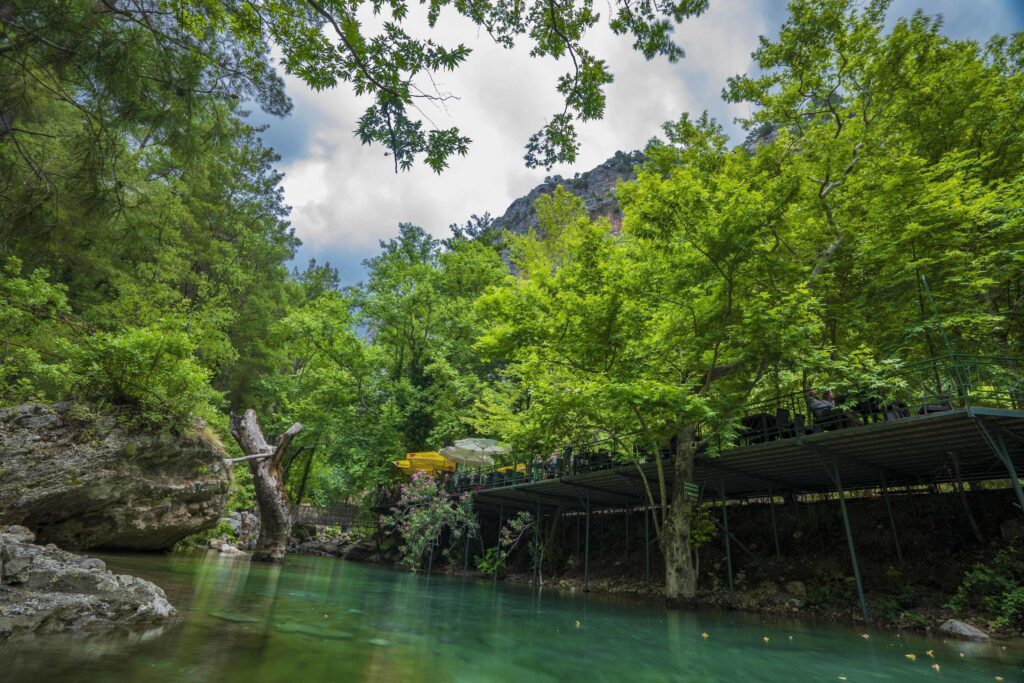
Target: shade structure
{"points": [[473, 452], [428, 461]]}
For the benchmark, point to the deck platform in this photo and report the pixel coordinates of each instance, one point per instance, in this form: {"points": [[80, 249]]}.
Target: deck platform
{"points": [[983, 443]]}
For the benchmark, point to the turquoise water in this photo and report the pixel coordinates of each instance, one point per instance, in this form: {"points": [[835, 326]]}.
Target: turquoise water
{"points": [[319, 619]]}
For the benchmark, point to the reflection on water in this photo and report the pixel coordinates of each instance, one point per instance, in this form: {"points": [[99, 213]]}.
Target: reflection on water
{"points": [[323, 619]]}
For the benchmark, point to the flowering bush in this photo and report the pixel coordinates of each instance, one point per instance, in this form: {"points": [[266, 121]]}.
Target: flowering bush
{"points": [[426, 516]]}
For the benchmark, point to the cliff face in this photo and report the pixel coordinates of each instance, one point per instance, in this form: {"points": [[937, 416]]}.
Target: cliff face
{"points": [[595, 187], [85, 481]]}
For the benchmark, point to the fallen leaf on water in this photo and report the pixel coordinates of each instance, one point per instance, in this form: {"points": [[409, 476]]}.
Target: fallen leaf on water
{"points": [[841, 677], [999, 678], [865, 636], [577, 623], [704, 635], [962, 654], [931, 653], [935, 666], [766, 639], [911, 656], [791, 637]]}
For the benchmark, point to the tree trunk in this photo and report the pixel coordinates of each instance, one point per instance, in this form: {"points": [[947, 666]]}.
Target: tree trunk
{"points": [[676, 546], [265, 464]]}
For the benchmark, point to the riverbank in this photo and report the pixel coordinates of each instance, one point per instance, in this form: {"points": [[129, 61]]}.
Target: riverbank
{"points": [[320, 619], [809, 573]]}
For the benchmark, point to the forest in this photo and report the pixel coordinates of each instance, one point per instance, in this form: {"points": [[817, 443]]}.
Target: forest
{"points": [[874, 218]]}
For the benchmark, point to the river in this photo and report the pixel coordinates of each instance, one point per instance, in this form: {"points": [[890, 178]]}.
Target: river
{"points": [[319, 619]]}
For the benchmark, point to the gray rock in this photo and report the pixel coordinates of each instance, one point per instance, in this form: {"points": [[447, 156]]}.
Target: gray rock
{"points": [[93, 563], [48, 590], [1012, 529], [595, 187], [84, 481], [797, 589], [228, 549], [959, 629]]}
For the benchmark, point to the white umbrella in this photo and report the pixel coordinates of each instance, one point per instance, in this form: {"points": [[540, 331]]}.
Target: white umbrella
{"points": [[473, 452]]}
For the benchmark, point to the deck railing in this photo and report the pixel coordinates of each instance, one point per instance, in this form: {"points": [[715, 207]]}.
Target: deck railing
{"points": [[342, 515], [934, 385]]}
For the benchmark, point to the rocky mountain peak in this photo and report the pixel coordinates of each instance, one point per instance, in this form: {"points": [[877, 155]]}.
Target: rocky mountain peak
{"points": [[595, 187]]}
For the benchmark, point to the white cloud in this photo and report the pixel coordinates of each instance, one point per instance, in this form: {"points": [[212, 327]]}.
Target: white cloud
{"points": [[346, 196]]}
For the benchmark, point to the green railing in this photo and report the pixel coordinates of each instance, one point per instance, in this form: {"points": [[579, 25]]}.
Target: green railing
{"points": [[940, 384]]}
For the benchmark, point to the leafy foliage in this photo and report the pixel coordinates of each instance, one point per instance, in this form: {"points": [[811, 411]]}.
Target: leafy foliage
{"points": [[426, 516], [996, 590]]}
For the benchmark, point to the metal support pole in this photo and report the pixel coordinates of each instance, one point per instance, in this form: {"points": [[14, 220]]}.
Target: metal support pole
{"points": [[892, 520], [536, 545], [849, 541], [586, 554], [995, 441], [497, 543], [647, 547], [728, 547], [775, 528], [627, 532], [465, 555]]}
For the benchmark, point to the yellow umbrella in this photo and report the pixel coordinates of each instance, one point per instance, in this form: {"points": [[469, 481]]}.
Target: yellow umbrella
{"points": [[428, 461], [520, 468]]}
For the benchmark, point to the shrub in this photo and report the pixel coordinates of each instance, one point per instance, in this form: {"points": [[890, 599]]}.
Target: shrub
{"points": [[151, 368], [491, 562], [425, 515], [995, 590]]}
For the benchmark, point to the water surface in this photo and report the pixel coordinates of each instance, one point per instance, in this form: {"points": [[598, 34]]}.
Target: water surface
{"points": [[320, 619]]}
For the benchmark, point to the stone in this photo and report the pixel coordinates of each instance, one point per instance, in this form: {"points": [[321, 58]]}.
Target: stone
{"points": [[228, 549], [82, 480], [797, 589], [595, 187], [361, 552], [1012, 529], [960, 629], [47, 590], [21, 534]]}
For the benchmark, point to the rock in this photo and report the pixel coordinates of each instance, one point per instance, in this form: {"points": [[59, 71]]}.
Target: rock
{"points": [[20, 534], [84, 481], [797, 589], [228, 549], [959, 629], [1012, 529], [48, 590], [595, 187], [362, 551], [93, 563]]}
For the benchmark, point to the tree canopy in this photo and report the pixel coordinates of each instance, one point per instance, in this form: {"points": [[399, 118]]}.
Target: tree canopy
{"points": [[872, 218]]}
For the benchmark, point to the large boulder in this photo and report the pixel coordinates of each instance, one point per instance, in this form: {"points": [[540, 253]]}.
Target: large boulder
{"points": [[82, 480], [47, 590], [962, 630]]}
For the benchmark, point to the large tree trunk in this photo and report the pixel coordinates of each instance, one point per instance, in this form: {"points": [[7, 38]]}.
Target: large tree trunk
{"points": [[676, 546], [265, 464]]}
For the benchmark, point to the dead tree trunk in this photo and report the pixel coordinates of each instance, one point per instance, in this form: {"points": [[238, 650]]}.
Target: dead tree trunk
{"points": [[265, 464]]}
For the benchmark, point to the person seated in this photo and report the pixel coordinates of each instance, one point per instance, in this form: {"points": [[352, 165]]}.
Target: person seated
{"points": [[825, 412]]}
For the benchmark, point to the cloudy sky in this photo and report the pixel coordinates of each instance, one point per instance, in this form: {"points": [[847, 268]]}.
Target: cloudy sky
{"points": [[345, 197]]}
